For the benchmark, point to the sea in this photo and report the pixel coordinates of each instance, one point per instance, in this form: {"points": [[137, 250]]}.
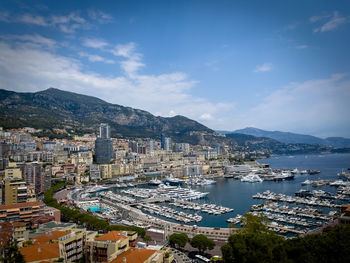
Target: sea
{"points": [[235, 194]]}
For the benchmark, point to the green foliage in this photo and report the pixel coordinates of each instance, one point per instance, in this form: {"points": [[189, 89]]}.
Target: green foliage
{"points": [[87, 220], [180, 239], [147, 238], [202, 243], [12, 254], [254, 224], [255, 243]]}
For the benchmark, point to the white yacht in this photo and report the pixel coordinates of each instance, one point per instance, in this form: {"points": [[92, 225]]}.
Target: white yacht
{"points": [[154, 182], [306, 182], [251, 178]]}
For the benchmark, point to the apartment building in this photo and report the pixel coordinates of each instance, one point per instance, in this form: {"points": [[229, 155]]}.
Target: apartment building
{"points": [[13, 191], [107, 247], [21, 212]]}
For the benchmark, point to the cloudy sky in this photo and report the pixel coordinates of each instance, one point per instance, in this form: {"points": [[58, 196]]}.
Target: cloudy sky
{"points": [[275, 65]]}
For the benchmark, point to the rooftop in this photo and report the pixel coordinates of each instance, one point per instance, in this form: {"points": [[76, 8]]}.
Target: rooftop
{"points": [[135, 255], [38, 252], [20, 205], [51, 236], [112, 236]]}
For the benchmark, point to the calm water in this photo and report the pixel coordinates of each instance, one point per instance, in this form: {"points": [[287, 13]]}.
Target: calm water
{"points": [[238, 195]]}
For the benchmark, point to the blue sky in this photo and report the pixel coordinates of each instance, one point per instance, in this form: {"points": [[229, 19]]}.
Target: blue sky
{"points": [[275, 65]]}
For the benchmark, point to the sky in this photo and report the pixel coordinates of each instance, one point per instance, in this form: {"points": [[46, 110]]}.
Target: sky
{"points": [[274, 65]]}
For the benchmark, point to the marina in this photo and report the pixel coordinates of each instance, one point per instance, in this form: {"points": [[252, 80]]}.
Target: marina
{"points": [[291, 206]]}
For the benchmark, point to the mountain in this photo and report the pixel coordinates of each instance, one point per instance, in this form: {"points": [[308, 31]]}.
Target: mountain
{"points": [[54, 108], [271, 146], [294, 138]]}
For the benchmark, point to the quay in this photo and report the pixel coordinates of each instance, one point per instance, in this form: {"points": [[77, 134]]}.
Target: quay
{"points": [[144, 220]]}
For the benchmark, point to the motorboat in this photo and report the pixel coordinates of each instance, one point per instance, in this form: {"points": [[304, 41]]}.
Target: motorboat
{"points": [[251, 178], [154, 182], [306, 182]]}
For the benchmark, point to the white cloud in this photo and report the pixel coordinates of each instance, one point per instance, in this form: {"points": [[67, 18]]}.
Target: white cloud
{"points": [[263, 68], [34, 39], [133, 60], [314, 19], [206, 116], [29, 69], [302, 47], [332, 24], [95, 43], [99, 16], [4, 16], [316, 106], [95, 58], [66, 23], [32, 19]]}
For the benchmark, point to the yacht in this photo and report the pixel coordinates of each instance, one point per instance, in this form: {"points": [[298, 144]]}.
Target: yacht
{"points": [[284, 175], [173, 180], [306, 182], [251, 178], [154, 182]]}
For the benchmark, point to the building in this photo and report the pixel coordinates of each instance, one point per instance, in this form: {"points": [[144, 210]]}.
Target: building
{"points": [[95, 173], [344, 217], [48, 252], [63, 245], [106, 171], [13, 191], [20, 232], [108, 247], [165, 142], [104, 153], [14, 172], [105, 131], [140, 255], [22, 212], [34, 175], [192, 170]]}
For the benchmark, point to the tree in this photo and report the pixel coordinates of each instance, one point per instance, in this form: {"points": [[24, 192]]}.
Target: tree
{"points": [[180, 239], [254, 242], [202, 243], [147, 238], [12, 254]]}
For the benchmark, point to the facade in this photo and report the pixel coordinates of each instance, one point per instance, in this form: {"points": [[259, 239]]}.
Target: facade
{"points": [[22, 212], [108, 247], [95, 173], [20, 232], [14, 172], [13, 191], [103, 150], [192, 170], [105, 131], [165, 142], [67, 246]]}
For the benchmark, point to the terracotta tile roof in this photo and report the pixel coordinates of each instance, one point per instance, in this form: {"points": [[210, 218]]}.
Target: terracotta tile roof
{"points": [[112, 236], [18, 224], [135, 255], [40, 252], [54, 235], [20, 205]]}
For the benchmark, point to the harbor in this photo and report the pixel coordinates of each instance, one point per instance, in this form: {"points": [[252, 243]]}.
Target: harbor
{"points": [[291, 207]]}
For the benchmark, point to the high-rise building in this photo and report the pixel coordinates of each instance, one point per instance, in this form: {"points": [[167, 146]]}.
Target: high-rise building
{"points": [[103, 146], [105, 132], [165, 142], [13, 191], [151, 145]]}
